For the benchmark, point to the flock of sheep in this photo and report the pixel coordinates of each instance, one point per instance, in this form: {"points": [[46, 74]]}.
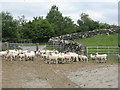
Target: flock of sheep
{"points": [[50, 56]]}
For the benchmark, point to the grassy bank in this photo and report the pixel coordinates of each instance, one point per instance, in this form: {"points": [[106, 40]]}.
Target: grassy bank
{"points": [[48, 47], [41, 44], [100, 40]]}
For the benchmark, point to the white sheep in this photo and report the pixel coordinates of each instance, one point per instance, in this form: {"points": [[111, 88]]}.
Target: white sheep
{"points": [[93, 57], [30, 55], [9, 56], [15, 55], [74, 56], [3, 54], [83, 58], [52, 59], [61, 58], [21, 56], [67, 57], [101, 57]]}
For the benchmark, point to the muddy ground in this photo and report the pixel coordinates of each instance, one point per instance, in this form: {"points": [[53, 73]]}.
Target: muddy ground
{"points": [[37, 74]]}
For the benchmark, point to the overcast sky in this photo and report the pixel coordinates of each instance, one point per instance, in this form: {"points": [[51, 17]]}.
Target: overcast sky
{"points": [[105, 11]]}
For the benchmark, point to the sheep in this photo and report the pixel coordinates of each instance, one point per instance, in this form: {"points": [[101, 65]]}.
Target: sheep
{"points": [[83, 58], [9, 56], [21, 56], [37, 53], [67, 57], [12, 51], [14, 55], [101, 57], [30, 55], [52, 59], [93, 57], [61, 58], [22, 51], [3, 54], [74, 56]]}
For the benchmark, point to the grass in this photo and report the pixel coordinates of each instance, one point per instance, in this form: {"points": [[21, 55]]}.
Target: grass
{"points": [[48, 47], [15, 48], [100, 40], [110, 58], [41, 44]]}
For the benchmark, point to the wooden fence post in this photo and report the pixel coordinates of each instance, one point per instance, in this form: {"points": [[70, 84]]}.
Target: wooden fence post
{"points": [[86, 51], [7, 46], [37, 47]]}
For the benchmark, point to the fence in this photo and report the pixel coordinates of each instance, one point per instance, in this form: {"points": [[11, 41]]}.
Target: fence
{"points": [[6, 45], [89, 50], [51, 47], [103, 49]]}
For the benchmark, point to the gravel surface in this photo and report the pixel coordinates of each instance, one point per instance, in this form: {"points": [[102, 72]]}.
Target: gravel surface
{"points": [[97, 77], [37, 74]]}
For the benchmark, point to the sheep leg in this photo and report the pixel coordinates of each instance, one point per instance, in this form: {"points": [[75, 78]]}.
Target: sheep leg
{"points": [[87, 59], [56, 61]]}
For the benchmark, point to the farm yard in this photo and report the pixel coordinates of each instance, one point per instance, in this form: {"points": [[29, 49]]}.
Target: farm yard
{"points": [[37, 74], [43, 73], [66, 70], [55, 51]]}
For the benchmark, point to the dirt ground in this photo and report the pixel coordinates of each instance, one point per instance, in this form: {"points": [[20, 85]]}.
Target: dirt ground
{"points": [[37, 74]]}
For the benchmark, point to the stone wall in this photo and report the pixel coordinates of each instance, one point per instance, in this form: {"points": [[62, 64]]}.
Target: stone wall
{"points": [[65, 44], [88, 34]]}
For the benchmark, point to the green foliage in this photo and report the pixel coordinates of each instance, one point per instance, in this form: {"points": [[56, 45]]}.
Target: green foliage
{"points": [[55, 17], [62, 25], [86, 23], [101, 40], [106, 26], [9, 27], [40, 30], [69, 26]]}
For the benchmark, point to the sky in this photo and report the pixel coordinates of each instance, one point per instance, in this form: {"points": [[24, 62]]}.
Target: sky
{"points": [[105, 11]]}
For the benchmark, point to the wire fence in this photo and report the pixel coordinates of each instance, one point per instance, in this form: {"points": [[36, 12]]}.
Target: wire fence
{"points": [[89, 50], [7, 46], [103, 49]]}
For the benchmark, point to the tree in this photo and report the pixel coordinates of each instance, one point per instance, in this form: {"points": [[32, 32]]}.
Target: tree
{"points": [[69, 26], [62, 25], [43, 30], [38, 30], [9, 27], [55, 17], [21, 27], [86, 23]]}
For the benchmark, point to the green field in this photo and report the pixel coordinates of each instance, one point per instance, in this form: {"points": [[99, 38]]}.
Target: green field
{"points": [[48, 47], [40, 44], [110, 58], [100, 40]]}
